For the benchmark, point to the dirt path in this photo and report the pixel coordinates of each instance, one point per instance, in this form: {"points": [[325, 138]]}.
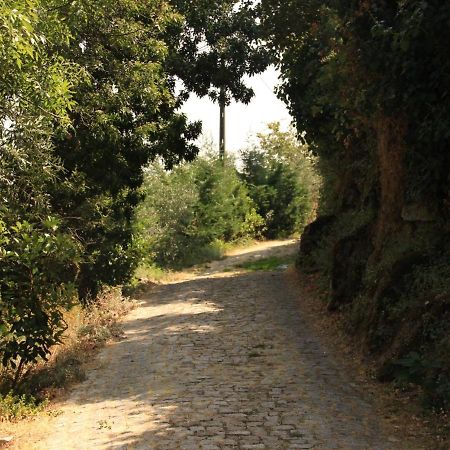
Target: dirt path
{"points": [[222, 360]]}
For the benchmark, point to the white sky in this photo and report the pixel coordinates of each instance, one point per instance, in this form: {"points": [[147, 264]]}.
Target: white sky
{"points": [[242, 121]]}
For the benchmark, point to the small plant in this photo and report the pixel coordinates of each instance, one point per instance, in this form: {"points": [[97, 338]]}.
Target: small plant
{"points": [[15, 407], [100, 321], [103, 425]]}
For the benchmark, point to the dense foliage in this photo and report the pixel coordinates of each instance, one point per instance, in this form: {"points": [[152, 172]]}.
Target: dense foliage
{"points": [[125, 115], [368, 82], [37, 258], [85, 104], [219, 42], [282, 181], [88, 100], [190, 212]]}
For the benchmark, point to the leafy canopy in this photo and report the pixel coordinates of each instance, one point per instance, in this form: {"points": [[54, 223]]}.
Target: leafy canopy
{"points": [[217, 44]]}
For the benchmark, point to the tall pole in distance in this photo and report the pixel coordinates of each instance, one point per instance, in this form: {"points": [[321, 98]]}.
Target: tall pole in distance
{"points": [[222, 142]]}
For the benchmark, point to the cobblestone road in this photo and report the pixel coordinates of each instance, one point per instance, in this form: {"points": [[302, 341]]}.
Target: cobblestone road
{"points": [[223, 361]]}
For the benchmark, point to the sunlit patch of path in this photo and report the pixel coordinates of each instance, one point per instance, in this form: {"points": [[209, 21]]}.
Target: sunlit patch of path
{"points": [[218, 362]]}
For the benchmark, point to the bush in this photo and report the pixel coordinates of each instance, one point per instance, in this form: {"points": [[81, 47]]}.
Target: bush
{"points": [[18, 407], [89, 327], [189, 211], [282, 181], [38, 264]]}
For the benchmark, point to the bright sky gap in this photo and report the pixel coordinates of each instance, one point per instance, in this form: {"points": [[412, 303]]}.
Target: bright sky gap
{"points": [[243, 121]]}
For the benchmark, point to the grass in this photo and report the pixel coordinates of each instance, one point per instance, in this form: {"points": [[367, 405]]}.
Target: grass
{"points": [[89, 329], [211, 252], [198, 259], [17, 407], [267, 264], [150, 272]]}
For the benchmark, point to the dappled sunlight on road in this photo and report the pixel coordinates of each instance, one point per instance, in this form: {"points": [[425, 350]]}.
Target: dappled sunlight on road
{"points": [[218, 363]]}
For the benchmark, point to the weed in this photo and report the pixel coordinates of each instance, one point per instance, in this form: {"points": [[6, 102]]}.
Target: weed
{"points": [[103, 424], [17, 407], [89, 328], [150, 272]]}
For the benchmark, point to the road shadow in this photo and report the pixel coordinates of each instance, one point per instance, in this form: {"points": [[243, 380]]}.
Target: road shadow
{"points": [[217, 362]]}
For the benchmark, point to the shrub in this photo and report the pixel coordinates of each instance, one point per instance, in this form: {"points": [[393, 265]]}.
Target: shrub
{"points": [[100, 318], [17, 407], [38, 265], [189, 211], [224, 211], [282, 181], [89, 327]]}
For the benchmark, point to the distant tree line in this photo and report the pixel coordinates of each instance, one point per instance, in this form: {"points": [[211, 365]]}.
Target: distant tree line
{"points": [[191, 213]]}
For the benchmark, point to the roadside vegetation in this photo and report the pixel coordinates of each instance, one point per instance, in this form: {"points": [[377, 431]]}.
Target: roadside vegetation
{"points": [[89, 328], [99, 176], [189, 214], [87, 102], [368, 83], [196, 211]]}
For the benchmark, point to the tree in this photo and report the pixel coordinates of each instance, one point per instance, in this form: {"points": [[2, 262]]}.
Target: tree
{"points": [[281, 176], [190, 210], [216, 45], [125, 117], [35, 96], [368, 83], [38, 260]]}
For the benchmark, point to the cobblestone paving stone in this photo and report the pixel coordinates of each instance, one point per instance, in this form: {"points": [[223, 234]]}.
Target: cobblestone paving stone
{"points": [[219, 362]]}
